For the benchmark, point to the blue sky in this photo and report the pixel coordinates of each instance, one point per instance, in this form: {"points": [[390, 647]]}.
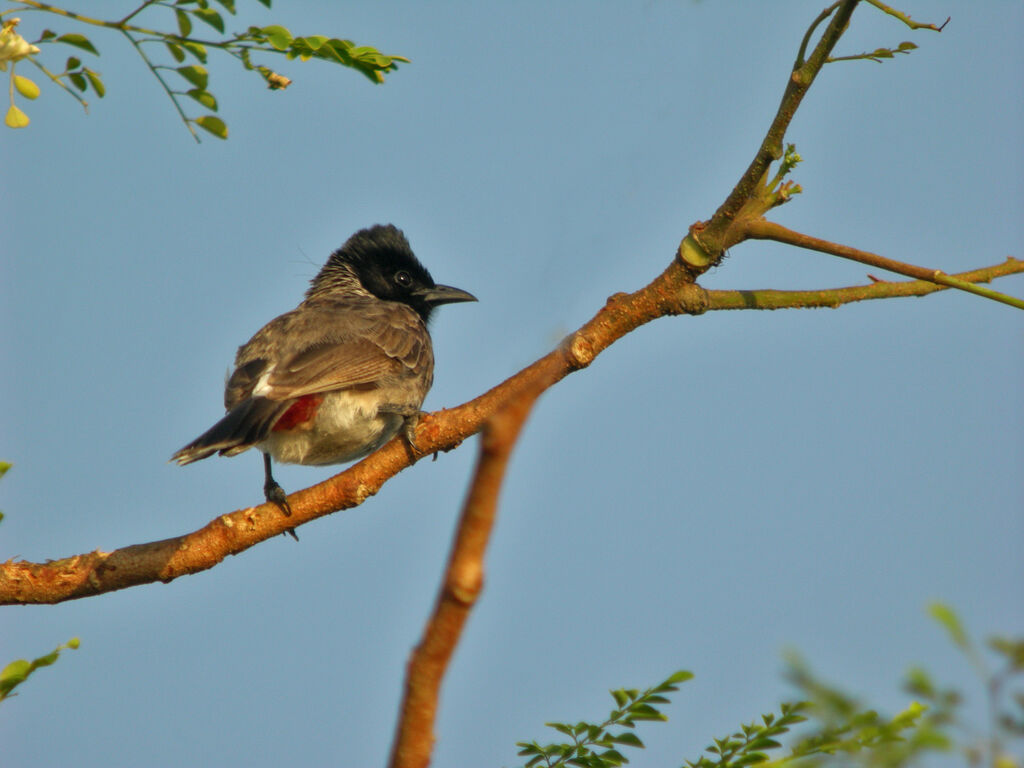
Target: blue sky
{"points": [[710, 492]]}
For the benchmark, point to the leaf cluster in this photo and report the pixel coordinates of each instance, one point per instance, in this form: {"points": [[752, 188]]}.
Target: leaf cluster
{"points": [[596, 745], [749, 745], [878, 54], [190, 54], [834, 728]]}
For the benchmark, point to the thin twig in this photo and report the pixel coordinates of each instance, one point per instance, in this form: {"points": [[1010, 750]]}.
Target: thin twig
{"points": [[762, 229], [836, 297], [163, 84], [905, 18], [137, 11], [714, 236], [56, 79], [802, 52]]}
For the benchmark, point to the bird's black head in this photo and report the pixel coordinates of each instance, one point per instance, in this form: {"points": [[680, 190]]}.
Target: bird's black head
{"points": [[378, 261]]}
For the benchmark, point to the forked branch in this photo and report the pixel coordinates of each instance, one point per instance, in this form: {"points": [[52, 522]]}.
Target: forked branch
{"points": [[673, 292]]}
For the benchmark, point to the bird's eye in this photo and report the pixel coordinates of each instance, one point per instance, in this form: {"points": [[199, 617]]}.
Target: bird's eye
{"points": [[403, 278]]}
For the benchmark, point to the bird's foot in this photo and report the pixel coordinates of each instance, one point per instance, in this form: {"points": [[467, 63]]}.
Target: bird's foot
{"points": [[276, 495], [411, 422]]}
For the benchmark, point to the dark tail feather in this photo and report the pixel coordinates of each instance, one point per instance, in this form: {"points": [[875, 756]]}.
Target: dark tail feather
{"points": [[246, 424]]}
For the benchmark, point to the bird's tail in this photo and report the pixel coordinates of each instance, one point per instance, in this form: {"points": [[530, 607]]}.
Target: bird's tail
{"points": [[245, 425]]}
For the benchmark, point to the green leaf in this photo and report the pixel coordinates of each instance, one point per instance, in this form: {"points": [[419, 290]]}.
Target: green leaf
{"points": [[1012, 650], [680, 677], [763, 743], [919, 683], [176, 51], [48, 34], [79, 41], [13, 674], [313, 42], [279, 37], [203, 97], [47, 660], [628, 738], [228, 5], [265, 2], [945, 615], [26, 87], [645, 712], [906, 45], [751, 758], [97, 83], [78, 80], [184, 23], [561, 728], [4, 467], [211, 17], [73, 62], [613, 757], [196, 49], [620, 697], [196, 75], [213, 125]]}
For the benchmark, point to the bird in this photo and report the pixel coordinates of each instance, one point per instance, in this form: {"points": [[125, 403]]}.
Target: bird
{"points": [[340, 375]]}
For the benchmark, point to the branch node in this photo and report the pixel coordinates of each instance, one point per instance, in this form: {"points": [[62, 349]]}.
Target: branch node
{"points": [[693, 299], [580, 351], [692, 253]]}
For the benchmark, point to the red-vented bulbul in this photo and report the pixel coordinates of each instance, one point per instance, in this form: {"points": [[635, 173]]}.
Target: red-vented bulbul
{"points": [[339, 375]]}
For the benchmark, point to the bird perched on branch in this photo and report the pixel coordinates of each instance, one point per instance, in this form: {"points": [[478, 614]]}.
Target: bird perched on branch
{"points": [[342, 373]]}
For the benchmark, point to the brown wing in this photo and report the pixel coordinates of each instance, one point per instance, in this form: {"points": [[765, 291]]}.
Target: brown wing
{"points": [[331, 346]]}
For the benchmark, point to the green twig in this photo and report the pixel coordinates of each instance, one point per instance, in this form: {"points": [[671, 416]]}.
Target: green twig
{"points": [[802, 52], [58, 81], [762, 229], [906, 18], [138, 10], [836, 297], [163, 84], [942, 278]]}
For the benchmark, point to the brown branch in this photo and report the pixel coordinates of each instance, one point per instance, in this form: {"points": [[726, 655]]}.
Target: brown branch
{"points": [[21, 582], [463, 581], [671, 293], [762, 229], [714, 235]]}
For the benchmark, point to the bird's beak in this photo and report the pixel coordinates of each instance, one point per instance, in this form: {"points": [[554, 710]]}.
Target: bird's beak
{"points": [[444, 294]]}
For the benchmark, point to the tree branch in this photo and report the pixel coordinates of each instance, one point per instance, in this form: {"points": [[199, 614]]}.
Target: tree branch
{"points": [[835, 297], [714, 235], [671, 293], [463, 581], [762, 229], [97, 572]]}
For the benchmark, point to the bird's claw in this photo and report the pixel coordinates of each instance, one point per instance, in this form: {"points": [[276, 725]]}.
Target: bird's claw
{"points": [[275, 495]]}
